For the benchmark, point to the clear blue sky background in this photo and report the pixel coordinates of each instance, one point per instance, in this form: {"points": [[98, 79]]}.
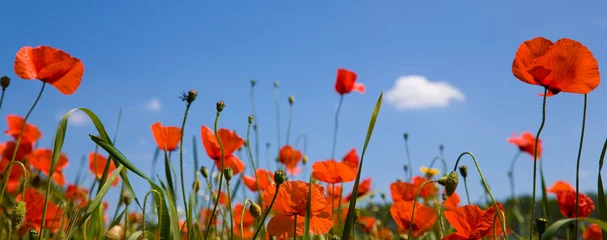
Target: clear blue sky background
{"points": [[134, 51]]}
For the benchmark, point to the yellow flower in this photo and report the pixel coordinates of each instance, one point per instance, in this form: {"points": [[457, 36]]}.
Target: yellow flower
{"points": [[429, 171]]}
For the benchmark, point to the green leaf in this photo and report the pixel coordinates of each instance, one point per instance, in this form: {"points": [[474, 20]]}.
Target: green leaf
{"points": [[552, 230], [350, 218], [173, 215], [601, 191], [117, 220], [136, 235]]}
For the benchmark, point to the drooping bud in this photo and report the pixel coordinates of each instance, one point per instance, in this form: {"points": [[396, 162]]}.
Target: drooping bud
{"points": [[228, 173], [449, 182], [220, 106], [251, 118], [196, 185], [255, 210], [540, 225], [305, 159], [126, 198], [205, 172], [5, 82], [253, 82], [291, 100], [463, 170], [280, 177], [276, 83], [18, 215], [115, 233], [406, 136], [192, 94]]}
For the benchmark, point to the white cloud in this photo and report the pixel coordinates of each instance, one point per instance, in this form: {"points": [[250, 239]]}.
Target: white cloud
{"points": [[417, 92], [153, 105], [77, 118]]}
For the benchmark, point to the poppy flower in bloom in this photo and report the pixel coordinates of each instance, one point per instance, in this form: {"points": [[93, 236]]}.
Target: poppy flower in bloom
{"points": [[97, 164], [333, 190], [76, 194], [566, 202], [366, 223], [346, 82], [34, 206], [471, 222], [526, 143], [363, 188], [14, 180], [167, 137], [382, 234], [290, 157], [560, 186], [247, 222], [402, 191], [331, 171], [231, 142], [290, 204], [41, 159], [428, 190], [30, 135], [9, 148], [452, 202], [266, 178], [593, 232], [563, 66], [50, 65], [424, 218]]}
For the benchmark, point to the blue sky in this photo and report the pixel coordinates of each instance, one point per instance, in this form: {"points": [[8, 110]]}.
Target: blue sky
{"points": [[136, 51]]}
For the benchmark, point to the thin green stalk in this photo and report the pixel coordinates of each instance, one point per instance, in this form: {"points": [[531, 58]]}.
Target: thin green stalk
{"points": [[408, 157], [289, 123], [434, 160], [144, 212], [119, 201], [341, 101], [251, 158], [277, 115], [440, 219], [206, 234], [537, 137], [511, 174], [244, 208], [265, 215], [295, 227], [467, 193], [577, 169], [80, 171], [256, 126], [502, 220], [2, 99], [230, 210], [126, 221], [188, 217], [419, 190], [9, 169]]}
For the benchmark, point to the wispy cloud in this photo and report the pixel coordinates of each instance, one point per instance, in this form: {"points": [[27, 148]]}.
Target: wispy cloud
{"points": [[417, 92], [153, 105], [77, 118]]}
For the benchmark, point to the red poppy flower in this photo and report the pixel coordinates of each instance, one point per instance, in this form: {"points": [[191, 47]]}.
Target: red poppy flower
{"points": [[266, 178], [51, 66], [76, 194], [231, 142], [424, 218], [471, 222], [452, 202], [247, 221], [41, 159], [331, 171], [290, 204], [593, 232], [97, 164], [402, 191], [205, 215], [346, 82], [14, 179], [333, 190], [31, 134], [34, 206], [566, 202], [167, 137], [366, 223], [428, 190], [563, 66], [526, 143], [560, 186], [223, 198], [290, 157], [363, 188], [9, 148]]}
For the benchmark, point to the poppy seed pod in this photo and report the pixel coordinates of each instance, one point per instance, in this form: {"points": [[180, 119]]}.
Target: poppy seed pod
{"points": [[255, 210], [279, 177], [5, 82], [126, 198], [220, 106], [450, 182], [196, 185], [18, 215], [276, 83], [253, 81], [251, 118], [304, 160], [192, 94], [463, 170], [540, 225], [204, 171], [291, 100], [228, 173]]}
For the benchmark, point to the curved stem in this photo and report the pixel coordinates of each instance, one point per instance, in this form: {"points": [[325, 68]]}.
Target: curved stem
{"points": [[265, 215], [188, 216], [206, 234], [341, 101], [143, 214], [537, 137], [467, 193], [244, 208], [409, 160], [419, 190], [8, 169], [577, 169], [256, 128], [503, 222]]}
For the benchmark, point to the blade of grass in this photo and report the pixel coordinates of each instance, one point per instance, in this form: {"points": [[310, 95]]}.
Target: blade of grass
{"points": [[544, 193], [601, 191], [350, 218], [553, 229], [173, 215], [306, 235]]}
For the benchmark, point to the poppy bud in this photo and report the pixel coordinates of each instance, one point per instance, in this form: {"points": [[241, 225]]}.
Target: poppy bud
{"points": [[383, 196], [255, 210], [5, 82], [276, 83], [196, 185], [251, 118], [18, 215], [463, 170], [228, 173], [33, 233], [291, 100], [192, 94], [441, 148], [245, 144], [253, 81], [305, 159], [114, 233], [540, 225], [280, 177], [254, 127], [406, 136], [126, 198], [219, 106], [450, 182], [406, 167], [205, 172]]}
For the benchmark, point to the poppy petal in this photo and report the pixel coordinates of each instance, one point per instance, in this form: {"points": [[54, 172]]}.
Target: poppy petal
{"points": [[282, 226], [526, 53], [321, 223]]}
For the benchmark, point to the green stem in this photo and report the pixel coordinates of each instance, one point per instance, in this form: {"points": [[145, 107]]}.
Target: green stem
{"points": [[230, 210], [251, 158], [206, 234], [497, 210], [577, 169], [2, 97], [244, 208], [434, 160], [341, 100], [9, 169], [467, 193], [409, 160], [511, 173], [414, 204], [256, 126], [295, 227], [188, 217], [289, 123], [143, 214], [265, 215], [537, 137], [80, 171], [277, 117], [440, 219], [126, 221]]}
